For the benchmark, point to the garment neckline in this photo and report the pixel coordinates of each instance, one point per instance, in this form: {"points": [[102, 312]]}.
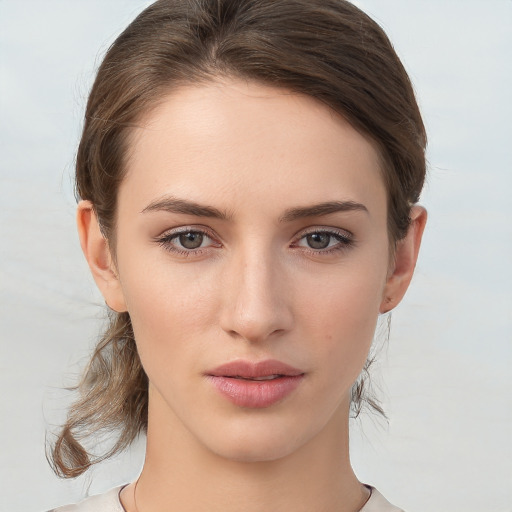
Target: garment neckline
{"points": [[119, 497]]}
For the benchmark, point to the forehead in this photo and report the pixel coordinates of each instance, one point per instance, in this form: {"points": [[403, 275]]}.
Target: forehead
{"points": [[240, 142]]}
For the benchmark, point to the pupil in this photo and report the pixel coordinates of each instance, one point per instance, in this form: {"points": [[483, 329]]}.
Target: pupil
{"points": [[191, 240], [318, 240]]}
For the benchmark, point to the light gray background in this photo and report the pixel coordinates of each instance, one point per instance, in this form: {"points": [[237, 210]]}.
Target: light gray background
{"points": [[445, 376]]}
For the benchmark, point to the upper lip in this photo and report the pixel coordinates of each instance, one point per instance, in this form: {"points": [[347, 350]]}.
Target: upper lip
{"points": [[249, 370]]}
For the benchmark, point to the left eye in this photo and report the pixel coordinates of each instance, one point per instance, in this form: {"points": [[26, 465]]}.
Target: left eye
{"points": [[319, 240]]}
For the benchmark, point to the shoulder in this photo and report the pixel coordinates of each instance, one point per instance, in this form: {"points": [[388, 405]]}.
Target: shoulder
{"points": [[377, 503], [107, 502]]}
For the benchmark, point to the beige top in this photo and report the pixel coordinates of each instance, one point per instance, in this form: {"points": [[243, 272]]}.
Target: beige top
{"points": [[110, 502]]}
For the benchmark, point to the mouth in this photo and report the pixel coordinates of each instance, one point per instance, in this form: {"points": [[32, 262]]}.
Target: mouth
{"points": [[255, 385], [268, 369]]}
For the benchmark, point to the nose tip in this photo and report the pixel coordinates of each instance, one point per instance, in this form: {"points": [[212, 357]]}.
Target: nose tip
{"points": [[256, 306], [253, 325]]}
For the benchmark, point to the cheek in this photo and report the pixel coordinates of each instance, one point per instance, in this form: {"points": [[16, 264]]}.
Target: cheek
{"points": [[170, 309], [343, 319]]}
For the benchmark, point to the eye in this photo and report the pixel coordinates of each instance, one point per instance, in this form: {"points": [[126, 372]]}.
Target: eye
{"points": [[186, 241], [324, 241], [318, 240], [191, 239]]}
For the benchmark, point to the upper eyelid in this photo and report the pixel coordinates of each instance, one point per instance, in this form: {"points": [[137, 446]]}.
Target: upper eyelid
{"points": [[187, 229], [325, 229]]}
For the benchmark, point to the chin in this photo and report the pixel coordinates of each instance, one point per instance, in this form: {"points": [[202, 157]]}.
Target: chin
{"points": [[255, 443], [254, 451]]}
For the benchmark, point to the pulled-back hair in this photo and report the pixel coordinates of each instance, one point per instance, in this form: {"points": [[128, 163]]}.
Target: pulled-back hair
{"points": [[327, 49]]}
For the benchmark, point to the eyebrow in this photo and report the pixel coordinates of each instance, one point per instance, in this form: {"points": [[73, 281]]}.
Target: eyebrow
{"points": [[175, 205], [317, 210]]}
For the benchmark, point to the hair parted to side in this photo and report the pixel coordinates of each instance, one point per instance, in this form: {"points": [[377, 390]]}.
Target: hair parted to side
{"points": [[327, 49]]}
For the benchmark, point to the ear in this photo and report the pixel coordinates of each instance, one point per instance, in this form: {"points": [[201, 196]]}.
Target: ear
{"points": [[97, 253], [404, 262]]}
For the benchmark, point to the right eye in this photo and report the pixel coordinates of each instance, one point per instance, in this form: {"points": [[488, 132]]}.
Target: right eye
{"points": [[187, 241]]}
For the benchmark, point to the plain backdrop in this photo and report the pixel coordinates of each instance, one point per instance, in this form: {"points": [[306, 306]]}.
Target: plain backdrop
{"points": [[444, 377]]}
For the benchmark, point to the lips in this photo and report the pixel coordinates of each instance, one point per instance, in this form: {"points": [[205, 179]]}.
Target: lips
{"points": [[261, 369], [255, 385]]}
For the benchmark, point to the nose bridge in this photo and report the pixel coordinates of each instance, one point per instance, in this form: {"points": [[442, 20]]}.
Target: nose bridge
{"points": [[255, 304]]}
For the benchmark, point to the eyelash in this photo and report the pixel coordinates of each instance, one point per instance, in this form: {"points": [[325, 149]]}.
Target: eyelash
{"points": [[344, 239]]}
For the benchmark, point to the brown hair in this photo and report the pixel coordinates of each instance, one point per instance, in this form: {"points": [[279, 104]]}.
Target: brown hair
{"points": [[327, 49]]}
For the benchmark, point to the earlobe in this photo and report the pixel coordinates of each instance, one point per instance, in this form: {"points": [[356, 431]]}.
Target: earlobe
{"points": [[406, 255], [97, 253]]}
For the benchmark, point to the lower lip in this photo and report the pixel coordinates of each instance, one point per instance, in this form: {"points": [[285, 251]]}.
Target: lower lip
{"points": [[255, 394]]}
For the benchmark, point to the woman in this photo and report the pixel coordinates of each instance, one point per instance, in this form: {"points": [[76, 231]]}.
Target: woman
{"points": [[248, 176]]}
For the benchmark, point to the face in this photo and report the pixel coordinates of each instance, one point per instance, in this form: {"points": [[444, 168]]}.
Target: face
{"points": [[251, 232]]}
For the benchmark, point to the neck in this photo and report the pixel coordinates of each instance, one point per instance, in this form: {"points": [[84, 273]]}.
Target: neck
{"points": [[181, 474]]}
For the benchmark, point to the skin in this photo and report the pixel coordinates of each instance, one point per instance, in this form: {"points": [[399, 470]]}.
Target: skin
{"points": [[253, 290]]}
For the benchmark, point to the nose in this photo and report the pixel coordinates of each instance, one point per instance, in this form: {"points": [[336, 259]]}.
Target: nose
{"points": [[257, 301]]}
